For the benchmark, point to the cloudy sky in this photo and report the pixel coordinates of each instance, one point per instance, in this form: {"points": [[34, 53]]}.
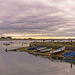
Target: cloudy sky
{"points": [[37, 17]]}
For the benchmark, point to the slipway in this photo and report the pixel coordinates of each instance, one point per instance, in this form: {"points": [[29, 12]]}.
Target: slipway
{"points": [[69, 54]]}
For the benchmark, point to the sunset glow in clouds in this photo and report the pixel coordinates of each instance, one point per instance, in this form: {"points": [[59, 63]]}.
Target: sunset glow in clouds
{"points": [[37, 18]]}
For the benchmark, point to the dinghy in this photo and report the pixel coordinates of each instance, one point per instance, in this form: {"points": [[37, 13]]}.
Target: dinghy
{"points": [[58, 50], [6, 44], [69, 54], [46, 50], [40, 48], [32, 48]]}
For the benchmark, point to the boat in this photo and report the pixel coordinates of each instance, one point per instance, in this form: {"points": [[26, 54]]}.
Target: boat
{"points": [[6, 44], [11, 42], [32, 48], [69, 54], [46, 50], [40, 48], [58, 50]]}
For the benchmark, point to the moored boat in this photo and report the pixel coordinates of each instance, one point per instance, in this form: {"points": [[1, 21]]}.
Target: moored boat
{"points": [[58, 50], [32, 48], [6, 44], [46, 50], [40, 48], [69, 54]]}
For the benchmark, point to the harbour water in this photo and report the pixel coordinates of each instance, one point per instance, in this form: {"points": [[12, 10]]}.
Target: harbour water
{"points": [[22, 63]]}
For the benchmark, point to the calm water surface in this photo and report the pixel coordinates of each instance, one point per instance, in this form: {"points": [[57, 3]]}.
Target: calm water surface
{"points": [[22, 63]]}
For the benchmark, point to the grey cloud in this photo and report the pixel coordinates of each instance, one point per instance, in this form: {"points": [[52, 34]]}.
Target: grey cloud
{"points": [[36, 17]]}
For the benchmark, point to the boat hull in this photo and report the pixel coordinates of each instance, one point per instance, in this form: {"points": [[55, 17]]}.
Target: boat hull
{"points": [[57, 50]]}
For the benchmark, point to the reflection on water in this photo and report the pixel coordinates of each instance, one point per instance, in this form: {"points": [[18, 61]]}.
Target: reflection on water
{"points": [[22, 63], [65, 60], [71, 65]]}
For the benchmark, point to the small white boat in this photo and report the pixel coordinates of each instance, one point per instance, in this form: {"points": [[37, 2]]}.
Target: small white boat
{"points": [[46, 50], [58, 50], [40, 48]]}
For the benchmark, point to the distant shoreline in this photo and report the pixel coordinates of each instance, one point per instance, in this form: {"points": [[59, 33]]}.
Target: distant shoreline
{"points": [[38, 39]]}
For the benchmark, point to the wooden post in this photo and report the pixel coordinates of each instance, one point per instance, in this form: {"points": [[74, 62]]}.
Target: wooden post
{"points": [[49, 54]]}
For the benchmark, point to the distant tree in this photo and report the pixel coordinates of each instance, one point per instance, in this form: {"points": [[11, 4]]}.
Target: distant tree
{"points": [[29, 38], [3, 38], [9, 37]]}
